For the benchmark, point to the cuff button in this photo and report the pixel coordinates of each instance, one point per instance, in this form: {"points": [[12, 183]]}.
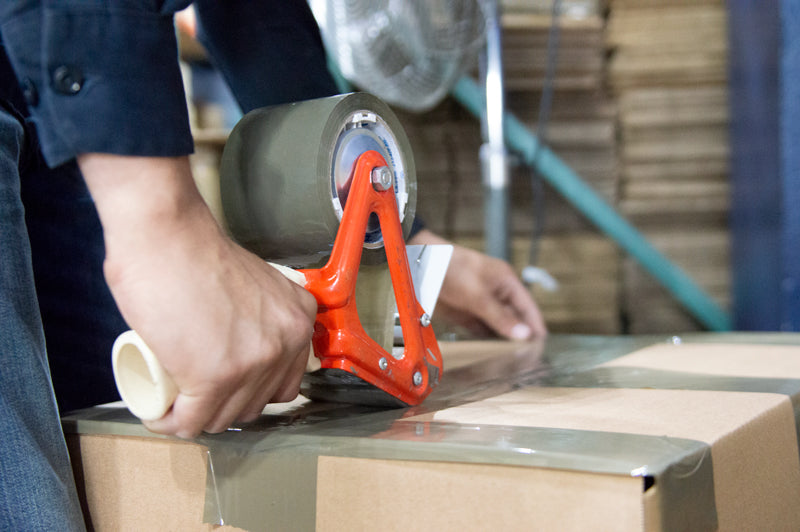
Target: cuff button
{"points": [[67, 80]]}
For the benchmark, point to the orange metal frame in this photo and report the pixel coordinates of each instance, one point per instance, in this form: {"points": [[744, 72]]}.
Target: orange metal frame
{"points": [[339, 338]]}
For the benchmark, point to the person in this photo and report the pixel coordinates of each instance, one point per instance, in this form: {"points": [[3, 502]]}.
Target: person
{"points": [[94, 136]]}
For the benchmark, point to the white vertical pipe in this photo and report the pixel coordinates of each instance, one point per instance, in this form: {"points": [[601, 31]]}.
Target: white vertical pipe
{"points": [[493, 155]]}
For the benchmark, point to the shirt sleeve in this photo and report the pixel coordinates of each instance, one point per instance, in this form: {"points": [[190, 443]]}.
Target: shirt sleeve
{"points": [[99, 76], [270, 52]]}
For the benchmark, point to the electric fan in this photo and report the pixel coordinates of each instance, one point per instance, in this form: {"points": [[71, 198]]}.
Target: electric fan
{"points": [[409, 53]]}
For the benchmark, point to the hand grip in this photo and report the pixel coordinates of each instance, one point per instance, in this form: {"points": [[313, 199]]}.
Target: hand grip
{"points": [[145, 387], [147, 390]]}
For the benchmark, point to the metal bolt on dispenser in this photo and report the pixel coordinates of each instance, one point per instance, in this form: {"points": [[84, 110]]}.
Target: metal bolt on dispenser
{"points": [[381, 178], [425, 320], [383, 363], [417, 378]]}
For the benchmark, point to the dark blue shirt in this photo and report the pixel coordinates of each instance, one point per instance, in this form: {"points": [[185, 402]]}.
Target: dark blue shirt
{"points": [[103, 75]]}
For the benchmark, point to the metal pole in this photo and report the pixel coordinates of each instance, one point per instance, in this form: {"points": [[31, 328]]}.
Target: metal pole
{"points": [[493, 154]]}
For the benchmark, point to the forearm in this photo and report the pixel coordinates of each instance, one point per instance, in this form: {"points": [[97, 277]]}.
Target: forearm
{"points": [[153, 219], [143, 201]]}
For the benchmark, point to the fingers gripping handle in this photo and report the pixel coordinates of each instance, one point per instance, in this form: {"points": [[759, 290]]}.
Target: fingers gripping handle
{"points": [[146, 388]]}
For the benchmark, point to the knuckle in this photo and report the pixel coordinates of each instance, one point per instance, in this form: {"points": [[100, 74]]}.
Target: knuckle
{"points": [[504, 268], [270, 349], [287, 394], [228, 374], [297, 328]]}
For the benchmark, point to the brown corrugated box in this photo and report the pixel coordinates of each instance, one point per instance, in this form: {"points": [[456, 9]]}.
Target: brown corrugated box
{"points": [[583, 433]]}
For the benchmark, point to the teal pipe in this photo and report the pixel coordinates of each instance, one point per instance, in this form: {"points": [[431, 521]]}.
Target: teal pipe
{"points": [[585, 199]]}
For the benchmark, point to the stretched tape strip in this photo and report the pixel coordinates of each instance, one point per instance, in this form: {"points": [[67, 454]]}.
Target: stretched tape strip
{"points": [[288, 442]]}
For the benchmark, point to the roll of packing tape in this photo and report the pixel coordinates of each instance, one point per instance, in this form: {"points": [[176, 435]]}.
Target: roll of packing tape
{"points": [[143, 384], [286, 170]]}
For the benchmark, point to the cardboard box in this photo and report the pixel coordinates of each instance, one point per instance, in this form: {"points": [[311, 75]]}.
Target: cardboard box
{"points": [[583, 433]]}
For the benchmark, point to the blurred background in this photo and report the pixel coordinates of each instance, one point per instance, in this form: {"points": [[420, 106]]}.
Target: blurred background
{"points": [[679, 114]]}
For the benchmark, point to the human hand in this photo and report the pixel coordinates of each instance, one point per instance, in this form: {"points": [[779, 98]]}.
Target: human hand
{"points": [[484, 295], [231, 331]]}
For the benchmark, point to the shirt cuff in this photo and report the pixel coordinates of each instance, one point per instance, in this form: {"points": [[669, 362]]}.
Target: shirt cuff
{"points": [[100, 80], [416, 226]]}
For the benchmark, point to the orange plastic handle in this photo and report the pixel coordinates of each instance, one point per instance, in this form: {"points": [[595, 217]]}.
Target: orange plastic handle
{"points": [[339, 338]]}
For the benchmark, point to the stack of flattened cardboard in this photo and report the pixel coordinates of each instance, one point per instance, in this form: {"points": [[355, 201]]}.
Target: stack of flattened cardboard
{"points": [[580, 129], [580, 51], [586, 267], [583, 433], [668, 72], [445, 143], [705, 254]]}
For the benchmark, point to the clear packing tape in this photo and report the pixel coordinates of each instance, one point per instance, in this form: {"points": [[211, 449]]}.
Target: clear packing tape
{"points": [[286, 170], [287, 442]]}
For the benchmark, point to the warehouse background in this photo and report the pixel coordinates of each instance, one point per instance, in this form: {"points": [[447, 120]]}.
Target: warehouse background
{"points": [[639, 111]]}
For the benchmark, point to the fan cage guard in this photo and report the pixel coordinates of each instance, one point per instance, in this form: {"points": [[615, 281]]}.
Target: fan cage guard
{"points": [[408, 53]]}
